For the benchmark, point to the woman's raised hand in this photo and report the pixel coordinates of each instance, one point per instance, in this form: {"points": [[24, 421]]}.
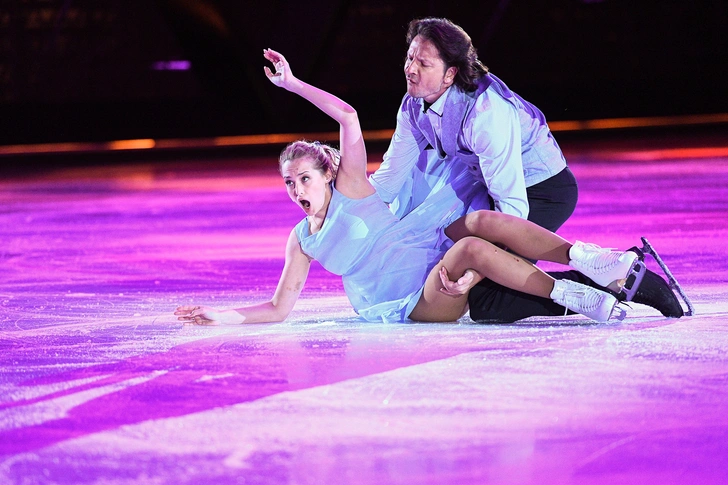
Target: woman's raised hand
{"points": [[282, 77]]}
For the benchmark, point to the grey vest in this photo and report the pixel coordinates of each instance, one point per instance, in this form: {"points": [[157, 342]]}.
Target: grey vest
{"points": [[541, 155]]}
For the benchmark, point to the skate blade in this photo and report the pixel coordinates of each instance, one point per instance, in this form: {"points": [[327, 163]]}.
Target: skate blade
{"points": [[618, 313], [672, 282]]}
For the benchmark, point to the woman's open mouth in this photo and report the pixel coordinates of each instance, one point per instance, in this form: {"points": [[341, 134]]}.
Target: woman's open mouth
{"points": [[305, 204]]}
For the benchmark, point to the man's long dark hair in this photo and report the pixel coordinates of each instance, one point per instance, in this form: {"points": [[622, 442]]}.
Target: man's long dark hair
{"points": [[455, 48]]}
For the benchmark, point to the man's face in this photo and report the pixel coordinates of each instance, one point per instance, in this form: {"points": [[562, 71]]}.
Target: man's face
{"points": [[425, 71]]}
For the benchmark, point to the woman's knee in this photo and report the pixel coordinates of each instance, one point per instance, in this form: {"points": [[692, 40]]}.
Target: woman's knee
{"points": [[471, 248], [479, 221], [487, 224]]}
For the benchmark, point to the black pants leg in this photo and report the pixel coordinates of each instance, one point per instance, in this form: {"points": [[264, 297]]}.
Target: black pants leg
{"points": [[492, 303], [551, 203]]}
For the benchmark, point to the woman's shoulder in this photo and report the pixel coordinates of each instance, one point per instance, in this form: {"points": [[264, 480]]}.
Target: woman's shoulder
{"points": [[302, 229], [353, 192]]}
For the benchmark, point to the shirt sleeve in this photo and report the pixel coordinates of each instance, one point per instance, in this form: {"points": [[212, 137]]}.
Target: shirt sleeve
{"points": [[400, 158], [493, 133]]}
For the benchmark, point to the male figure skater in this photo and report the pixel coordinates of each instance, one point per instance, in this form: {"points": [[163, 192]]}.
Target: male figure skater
{"points": [[456, 107], [457, 117]]}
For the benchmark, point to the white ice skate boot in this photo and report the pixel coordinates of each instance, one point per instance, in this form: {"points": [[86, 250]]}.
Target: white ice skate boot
{"points": [[590, 302], [600, 264]]}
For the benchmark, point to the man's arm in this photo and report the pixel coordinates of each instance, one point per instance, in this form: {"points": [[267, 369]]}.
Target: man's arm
{"points": [[494, 133], [400, 158]]}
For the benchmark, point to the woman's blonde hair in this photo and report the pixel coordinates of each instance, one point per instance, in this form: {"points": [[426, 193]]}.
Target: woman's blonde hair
{"points": [[326, 157]]}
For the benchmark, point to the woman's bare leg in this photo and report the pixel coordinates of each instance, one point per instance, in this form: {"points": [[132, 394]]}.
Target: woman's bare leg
{"points": [[487, 261], [519, 235]]}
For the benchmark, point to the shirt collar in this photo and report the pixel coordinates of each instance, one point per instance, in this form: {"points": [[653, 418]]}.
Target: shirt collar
{"points": [[438, 106]]}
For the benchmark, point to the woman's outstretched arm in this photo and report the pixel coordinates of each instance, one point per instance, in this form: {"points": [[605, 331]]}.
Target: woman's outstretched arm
{"points": [[295, 272], [351, 178]]}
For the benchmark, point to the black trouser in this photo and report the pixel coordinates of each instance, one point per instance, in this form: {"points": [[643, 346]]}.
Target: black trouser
{"points": [[551, 202]]}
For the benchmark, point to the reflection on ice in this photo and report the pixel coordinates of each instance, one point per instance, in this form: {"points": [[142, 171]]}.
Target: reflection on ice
{"points": [[99, 383]]}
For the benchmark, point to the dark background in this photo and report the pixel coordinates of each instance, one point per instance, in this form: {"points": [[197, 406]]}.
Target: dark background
{"points": [[75, 70]]}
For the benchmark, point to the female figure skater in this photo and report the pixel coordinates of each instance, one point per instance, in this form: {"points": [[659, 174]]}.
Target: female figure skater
{"points": [[392, 269]]}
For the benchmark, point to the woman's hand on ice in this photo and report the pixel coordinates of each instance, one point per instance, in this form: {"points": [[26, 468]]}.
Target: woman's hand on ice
{"points": [[456, 288], [202, 315]]}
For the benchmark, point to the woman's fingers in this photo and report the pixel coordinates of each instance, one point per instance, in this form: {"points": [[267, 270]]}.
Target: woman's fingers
{"points": [[455, 288], [190, 314], [269, 54], [448, 285], [184, 310], [273, 56], [276, 76]]}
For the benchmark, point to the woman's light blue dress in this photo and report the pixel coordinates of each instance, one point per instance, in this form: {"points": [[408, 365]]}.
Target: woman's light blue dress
{"points": [[383, 261]]}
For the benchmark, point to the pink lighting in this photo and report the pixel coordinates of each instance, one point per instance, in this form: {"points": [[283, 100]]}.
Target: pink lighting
{"points": [[100, 384], [177, 65]]}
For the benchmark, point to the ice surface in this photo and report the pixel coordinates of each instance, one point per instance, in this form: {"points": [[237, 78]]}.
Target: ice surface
{"points": [[100, 384]]}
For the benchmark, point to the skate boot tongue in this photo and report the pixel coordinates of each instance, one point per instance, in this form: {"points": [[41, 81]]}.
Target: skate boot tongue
{"points": [[602, 265]]}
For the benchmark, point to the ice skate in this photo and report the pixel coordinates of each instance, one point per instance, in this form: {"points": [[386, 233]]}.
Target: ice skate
{"points": [[602, 265], [649, 288], [654, 291], [590, 302], [627, 287]]}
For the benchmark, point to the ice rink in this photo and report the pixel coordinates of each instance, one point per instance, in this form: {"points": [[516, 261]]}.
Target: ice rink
{"points": [[100, 384]]}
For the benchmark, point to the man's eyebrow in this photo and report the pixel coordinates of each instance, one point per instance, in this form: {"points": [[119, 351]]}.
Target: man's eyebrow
{"points": [[420, 56]]}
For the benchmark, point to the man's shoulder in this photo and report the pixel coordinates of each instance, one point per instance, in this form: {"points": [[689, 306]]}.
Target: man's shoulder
{"points": [[458, 94], [473, 101], [491, 93], [484, 83]]}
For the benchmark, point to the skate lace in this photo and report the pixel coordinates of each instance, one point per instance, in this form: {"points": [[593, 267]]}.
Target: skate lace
{"points": [[600, 259], [586, 301]]}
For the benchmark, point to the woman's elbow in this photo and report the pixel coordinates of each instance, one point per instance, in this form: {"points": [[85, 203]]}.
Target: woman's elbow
{"points": [[350, 116], [279, 312]]}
